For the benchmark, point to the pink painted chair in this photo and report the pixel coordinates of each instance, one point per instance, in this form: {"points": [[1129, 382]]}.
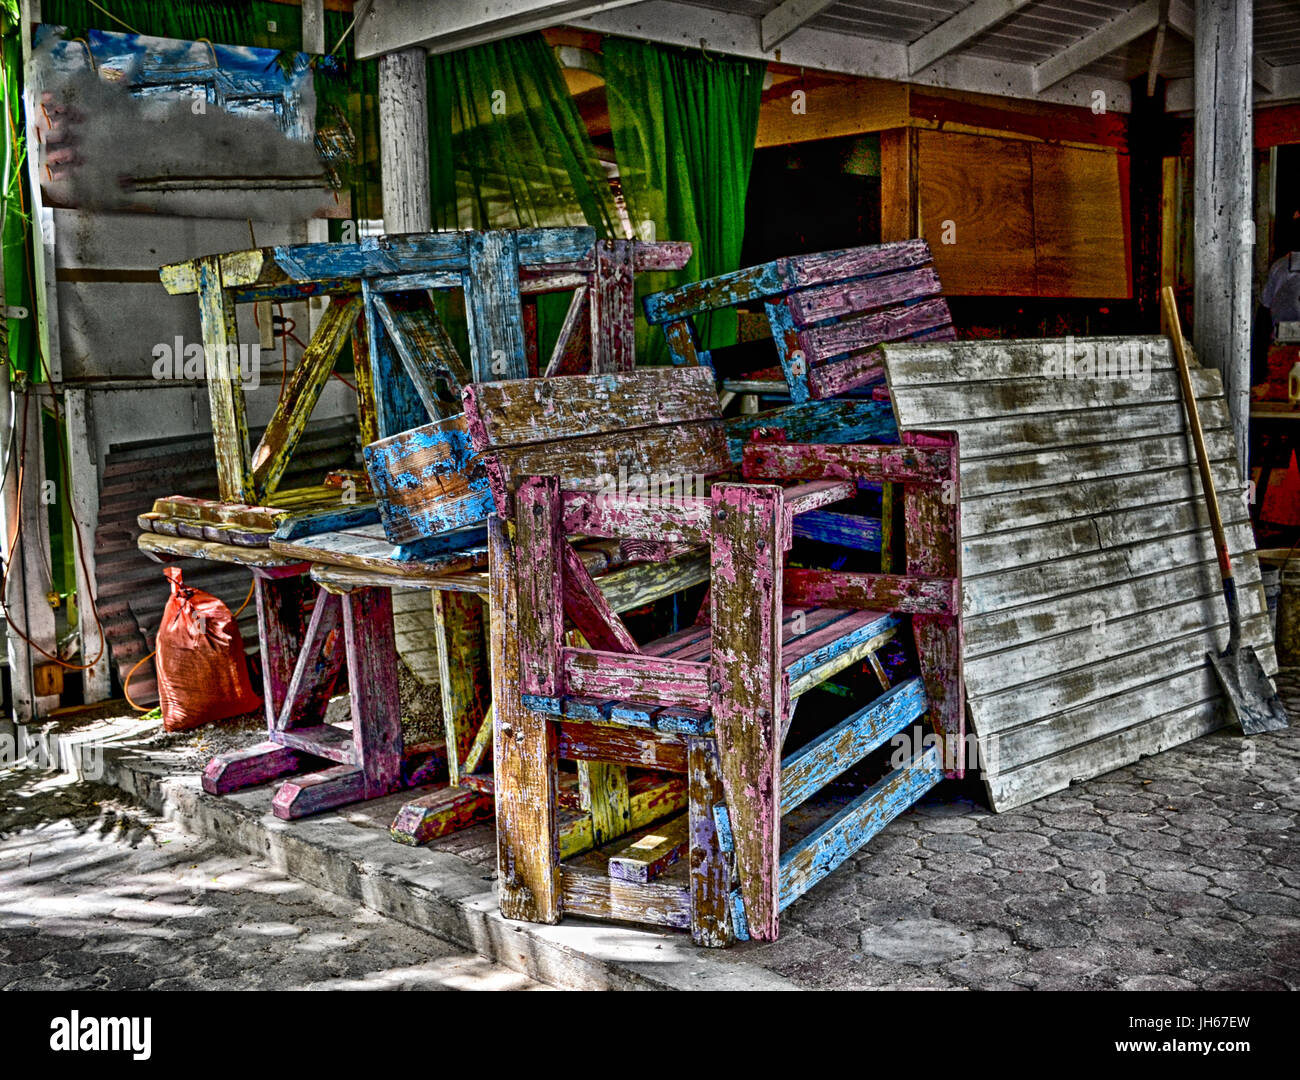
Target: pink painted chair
{"points": [[715, 701]]}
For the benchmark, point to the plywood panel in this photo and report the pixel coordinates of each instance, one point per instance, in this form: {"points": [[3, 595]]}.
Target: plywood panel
{"points": [[984, 188], [1080, 227], [1090, 593]]}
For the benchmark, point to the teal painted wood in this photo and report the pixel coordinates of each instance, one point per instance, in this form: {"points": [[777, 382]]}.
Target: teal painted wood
{"points": [[860, 533], [812, 767], [325, 521], [397, 405], [794, 360], [551, 706], [412, 461], [834, 841], [679, 721], [829, 421], [738, 921], [407, 331], [584, 708], [494, 307], [470, 541], [840, 645], [722, 822]]}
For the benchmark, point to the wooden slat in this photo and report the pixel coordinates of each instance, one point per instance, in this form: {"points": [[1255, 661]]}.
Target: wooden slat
{"points": [[815, 765], [578, 741], [225, 394], [290, 418], [501, 414], [749, 701], [1090, 597], [653, 680], [595, 895], [645, 859], [831, 843]]}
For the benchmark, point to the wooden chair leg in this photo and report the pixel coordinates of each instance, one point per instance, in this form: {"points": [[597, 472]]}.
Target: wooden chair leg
{"points": [[709, 866], [280, 628], [528, 846], [747, 686], [932, 534], [462, 672], [372, 678]]}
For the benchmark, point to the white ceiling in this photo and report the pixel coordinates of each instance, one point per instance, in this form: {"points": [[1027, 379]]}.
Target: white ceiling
{"points": [[1053, 50]]}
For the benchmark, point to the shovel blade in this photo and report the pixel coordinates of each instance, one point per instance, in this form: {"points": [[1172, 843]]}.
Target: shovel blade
{"points": [[1251, 697]]}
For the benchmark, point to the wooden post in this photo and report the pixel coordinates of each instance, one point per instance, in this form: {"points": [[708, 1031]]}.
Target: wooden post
{"points": [[83, 476], [404, 140], [899, 209], [1224, 222]]}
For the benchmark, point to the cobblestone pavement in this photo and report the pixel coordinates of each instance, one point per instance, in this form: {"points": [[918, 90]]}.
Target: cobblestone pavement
{"points": [[1179, 872], [96, 893]]}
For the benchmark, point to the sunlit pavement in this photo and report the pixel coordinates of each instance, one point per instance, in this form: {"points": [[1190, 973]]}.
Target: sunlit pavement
{"points": [[98, 894]]}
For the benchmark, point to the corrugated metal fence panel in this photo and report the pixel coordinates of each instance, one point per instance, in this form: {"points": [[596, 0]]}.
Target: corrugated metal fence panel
{"points": [[1090, 588]]}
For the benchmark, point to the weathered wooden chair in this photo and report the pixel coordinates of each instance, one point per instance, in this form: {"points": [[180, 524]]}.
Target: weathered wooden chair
{"points": [[827, 313], [713, 701], [407, 372]]}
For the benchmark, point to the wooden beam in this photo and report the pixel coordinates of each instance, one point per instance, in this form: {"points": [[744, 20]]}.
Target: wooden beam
{"points": [[784, 19], [1182, 18], [1105, 39], [404, 139], [953, 33], [444, 27], [1224, 215]]}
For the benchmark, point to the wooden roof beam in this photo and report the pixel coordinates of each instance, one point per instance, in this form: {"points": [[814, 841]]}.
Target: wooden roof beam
{"points": [[392, 25], [784, 19], [1102, 41], [953, 33]]}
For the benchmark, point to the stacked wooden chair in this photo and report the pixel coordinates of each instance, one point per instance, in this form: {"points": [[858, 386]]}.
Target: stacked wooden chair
{"points": [[323, 564], [712, 702], [826, 314]]}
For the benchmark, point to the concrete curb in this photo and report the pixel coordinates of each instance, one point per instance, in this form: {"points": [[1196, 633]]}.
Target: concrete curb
{"points": [[437, 892]]}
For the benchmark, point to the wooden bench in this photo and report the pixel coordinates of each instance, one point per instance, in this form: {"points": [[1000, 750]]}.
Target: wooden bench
{"points": [[713, 702]]}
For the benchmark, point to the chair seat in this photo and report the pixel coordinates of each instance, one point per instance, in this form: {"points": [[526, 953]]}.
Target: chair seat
{"points": [[816, 642]]}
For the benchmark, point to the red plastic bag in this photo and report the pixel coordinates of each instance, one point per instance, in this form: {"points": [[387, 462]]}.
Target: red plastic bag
{"points": [[202, 673]]}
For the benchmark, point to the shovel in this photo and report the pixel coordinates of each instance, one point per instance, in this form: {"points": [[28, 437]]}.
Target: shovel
{"points": [[1251, 696]]}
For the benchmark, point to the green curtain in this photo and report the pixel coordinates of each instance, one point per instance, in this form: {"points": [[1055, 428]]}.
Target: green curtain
{"points": [[20, 342], [508, 149], [684, 127]]}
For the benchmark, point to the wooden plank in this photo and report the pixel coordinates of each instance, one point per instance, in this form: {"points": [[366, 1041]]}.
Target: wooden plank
{"points": [[798, 461], [831, 843], [879, 592], [612, 309], [802, 498], [645, 859], [572, 352], [840, 300], [708, 852], [747, 688], [440, 813], [397, 405], [493, 306], [604, 794], [422, 344], [319, 664], [631, 587], [459, 633], [578, 741], [524, 761], [652, 798], [844, 530], [225, 394], [816, 764], [536, 411], [363, 377], [539, 541], [592, 894], [586, 607], [672, 454], [652, 680], [372, 685], [303, 390], [674, 519], [280, 603]]}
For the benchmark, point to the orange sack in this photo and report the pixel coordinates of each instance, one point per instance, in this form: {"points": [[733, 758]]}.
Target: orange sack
{"points": [[202, 673]]}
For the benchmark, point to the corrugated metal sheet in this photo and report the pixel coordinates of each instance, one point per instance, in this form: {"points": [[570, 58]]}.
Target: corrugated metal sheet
{"points": [[1090, 586]]}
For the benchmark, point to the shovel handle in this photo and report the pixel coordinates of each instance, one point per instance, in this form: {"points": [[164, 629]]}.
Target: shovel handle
{"points": [[1174, 327]]}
